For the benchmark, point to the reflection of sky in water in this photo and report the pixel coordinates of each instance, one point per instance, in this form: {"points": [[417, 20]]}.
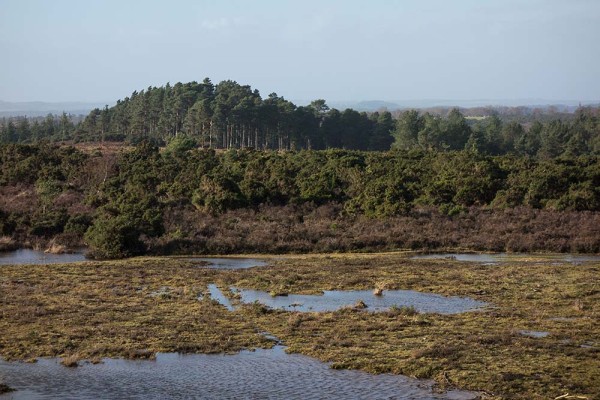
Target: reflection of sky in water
{"points": [[535, 334], [27, 256], [216, 294], [264, 374], [334, 300], [230, 263]]}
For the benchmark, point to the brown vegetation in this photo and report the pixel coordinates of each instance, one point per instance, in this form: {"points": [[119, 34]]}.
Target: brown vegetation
{"points": [[307, 228]]}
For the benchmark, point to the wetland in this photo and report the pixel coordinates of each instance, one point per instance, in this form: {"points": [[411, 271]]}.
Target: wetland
{"points": [[154, 307]]}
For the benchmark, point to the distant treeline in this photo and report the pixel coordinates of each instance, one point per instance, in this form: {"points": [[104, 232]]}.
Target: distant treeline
{"points": [[579, 136], [52, 128], [233, 116], [148, 198]]}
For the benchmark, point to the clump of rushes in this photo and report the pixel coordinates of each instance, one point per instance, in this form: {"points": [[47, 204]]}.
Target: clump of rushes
{"points": [[379, 288], [71, 361], [360, 305], [403, 310], [278, 292]]}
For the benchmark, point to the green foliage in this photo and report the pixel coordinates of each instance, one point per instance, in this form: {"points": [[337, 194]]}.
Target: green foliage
{"points": [[129, 205], [229, 115], [135, 201], [114, 237], [491, 136], [48, 223], [78, 224], [180, 144]]}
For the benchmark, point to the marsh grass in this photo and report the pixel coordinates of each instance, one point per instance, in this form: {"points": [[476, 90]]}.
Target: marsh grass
{"points": [[480, 350], [104, 309]]}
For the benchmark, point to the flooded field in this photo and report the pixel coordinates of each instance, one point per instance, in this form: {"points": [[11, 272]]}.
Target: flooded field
{"points": [[264, 374]]}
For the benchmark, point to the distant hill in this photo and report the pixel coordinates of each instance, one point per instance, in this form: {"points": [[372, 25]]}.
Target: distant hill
{"points": [[40, 108], [375, 105], [367, 105]]}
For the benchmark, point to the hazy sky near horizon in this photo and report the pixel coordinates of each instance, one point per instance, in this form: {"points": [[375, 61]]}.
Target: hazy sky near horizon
{"points": [[342, 50]]}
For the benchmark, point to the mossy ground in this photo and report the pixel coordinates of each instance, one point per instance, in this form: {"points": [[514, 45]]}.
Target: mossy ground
{"points": [[134, 308]]}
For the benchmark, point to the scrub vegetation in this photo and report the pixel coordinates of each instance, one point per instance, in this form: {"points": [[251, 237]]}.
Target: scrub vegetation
{"points": [[187, 200], [134, 308]]}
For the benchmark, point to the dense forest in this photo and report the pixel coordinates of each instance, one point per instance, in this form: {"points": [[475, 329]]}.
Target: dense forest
{"points": [[233, 116], [183, 199]]}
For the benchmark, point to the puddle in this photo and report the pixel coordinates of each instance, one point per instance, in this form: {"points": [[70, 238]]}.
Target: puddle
{"points": [[264, 374], [229, 263], [216, 294], [334, 300], [534, 334], [495, 258], [28, 256]]}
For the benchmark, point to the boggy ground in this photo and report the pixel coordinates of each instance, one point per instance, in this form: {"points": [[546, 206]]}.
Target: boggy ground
{"points": [[133, 308]]}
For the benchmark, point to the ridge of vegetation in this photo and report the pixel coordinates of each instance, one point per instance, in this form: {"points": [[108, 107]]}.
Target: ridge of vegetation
{"points": [[183, 200]]}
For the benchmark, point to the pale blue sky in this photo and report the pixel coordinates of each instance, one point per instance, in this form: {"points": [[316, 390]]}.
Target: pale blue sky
{"points": [[101, 50]]}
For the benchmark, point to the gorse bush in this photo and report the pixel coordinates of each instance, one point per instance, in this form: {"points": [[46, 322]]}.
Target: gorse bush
{"points": [[138, 200]]}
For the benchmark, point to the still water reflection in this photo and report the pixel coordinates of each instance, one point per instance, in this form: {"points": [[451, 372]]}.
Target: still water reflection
{"points": [[28, 256], [333, 300], [261, 374], [229, 263]]}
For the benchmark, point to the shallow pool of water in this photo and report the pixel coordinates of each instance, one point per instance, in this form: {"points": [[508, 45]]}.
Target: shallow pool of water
{"points": [[216, 294], [28, 256], [260, 374], [230, 263], [495, 258], [332, 300], [534, 334]]}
